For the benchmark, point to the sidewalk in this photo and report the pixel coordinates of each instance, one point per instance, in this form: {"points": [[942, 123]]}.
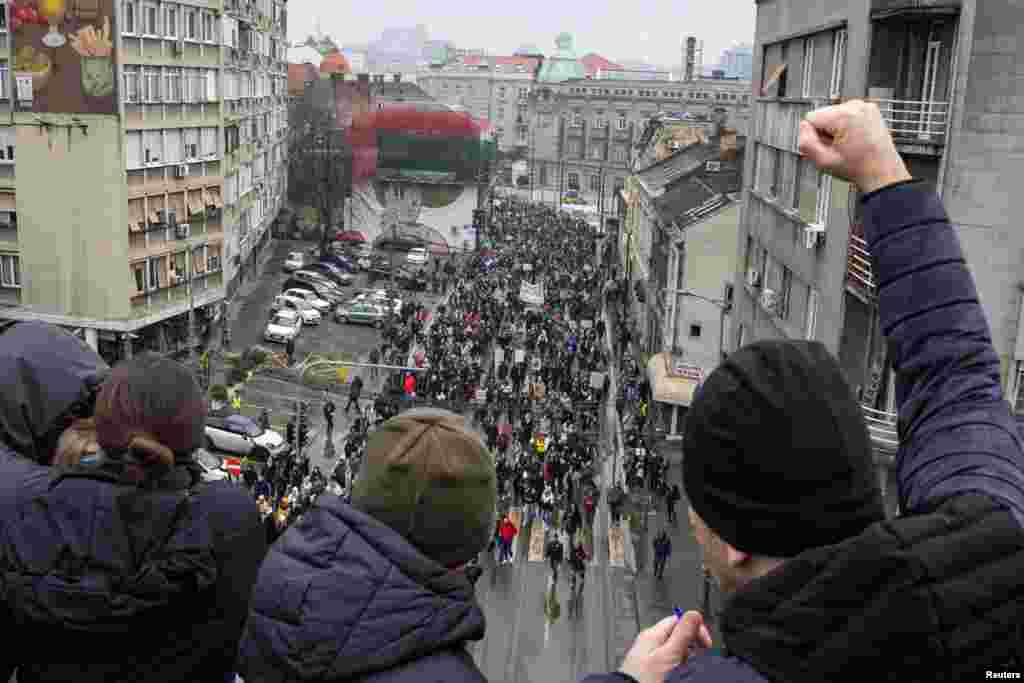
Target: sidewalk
{"points": [[683, 583]]}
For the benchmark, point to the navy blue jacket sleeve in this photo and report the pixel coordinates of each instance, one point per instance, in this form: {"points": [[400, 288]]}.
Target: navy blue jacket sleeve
{"points": [[956, 432]]}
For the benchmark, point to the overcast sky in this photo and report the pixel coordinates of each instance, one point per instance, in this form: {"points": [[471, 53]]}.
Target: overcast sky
{"points": [[650, 30]]}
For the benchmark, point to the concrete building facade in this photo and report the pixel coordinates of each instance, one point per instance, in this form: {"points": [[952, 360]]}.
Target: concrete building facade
{"points": [[495, 89], [585, 130], [125, 227], [939, 71]]}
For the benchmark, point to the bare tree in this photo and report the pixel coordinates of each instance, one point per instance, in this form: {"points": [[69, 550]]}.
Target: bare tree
{"points": [[320, 159]]}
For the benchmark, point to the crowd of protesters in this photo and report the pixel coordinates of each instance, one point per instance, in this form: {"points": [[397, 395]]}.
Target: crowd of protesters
{"points": [[119, 563]]}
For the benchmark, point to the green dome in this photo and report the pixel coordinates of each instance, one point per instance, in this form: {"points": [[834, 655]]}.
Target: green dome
{"points": [[563, 65]]}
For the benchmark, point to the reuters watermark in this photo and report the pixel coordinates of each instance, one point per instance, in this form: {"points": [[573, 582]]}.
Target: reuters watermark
{"points": [[1003, 675]]}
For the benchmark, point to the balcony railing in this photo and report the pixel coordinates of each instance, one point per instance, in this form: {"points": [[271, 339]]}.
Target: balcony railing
{"points": [[882, 430], [859, 273], [920, 120]]}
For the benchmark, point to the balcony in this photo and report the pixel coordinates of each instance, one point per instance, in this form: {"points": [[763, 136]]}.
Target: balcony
{"points": [[883, 432], [860, 278], [915, 120]]}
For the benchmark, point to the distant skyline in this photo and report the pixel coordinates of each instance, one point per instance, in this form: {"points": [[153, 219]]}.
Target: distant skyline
{"points": [[650, 30]]}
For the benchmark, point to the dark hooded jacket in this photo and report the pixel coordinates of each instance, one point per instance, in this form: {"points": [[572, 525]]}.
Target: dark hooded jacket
{"points": [[101, 580], [343, 597], [936, 594]]}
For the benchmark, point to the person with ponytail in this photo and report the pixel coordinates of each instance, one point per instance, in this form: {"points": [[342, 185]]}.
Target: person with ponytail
{"points": [[110, 543]]}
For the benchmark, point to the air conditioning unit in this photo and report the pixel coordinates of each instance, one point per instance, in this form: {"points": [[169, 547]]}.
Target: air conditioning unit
{"points": [[181, 171], [161, 216], [180, 46], [172, 218], [183, 231], [768, 300], [5, 217], [753, 277], [714, 166], [812, 236]]}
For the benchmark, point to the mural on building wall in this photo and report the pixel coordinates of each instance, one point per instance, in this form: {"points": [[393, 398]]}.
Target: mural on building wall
{"points": [[64, 56]]}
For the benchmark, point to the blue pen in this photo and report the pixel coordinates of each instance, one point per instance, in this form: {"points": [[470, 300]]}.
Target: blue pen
{"points": [[679, 612]]}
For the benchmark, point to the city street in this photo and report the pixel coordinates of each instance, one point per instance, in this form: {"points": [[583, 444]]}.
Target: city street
{"points": [[522, 644]]}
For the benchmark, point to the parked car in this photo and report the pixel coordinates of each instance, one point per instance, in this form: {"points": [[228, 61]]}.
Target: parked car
{"points": [[315, 276], [241, 435], [310, 277], [311, 298], [362, 312], [309, 315], [333, 295], [211, 465], [342, 262], [380, 298], [417, 256], [331, 272], [284, 325], [295, 261], [400, 242]]}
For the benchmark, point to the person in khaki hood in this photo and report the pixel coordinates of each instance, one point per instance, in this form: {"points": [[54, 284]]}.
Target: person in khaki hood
{"points": [[422, 508], [379, 590]]}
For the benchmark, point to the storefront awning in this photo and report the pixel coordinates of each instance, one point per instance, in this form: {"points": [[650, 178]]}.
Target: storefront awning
{"points": [[666, 388]]}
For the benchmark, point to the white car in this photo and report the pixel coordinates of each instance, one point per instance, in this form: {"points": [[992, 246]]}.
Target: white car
{"points": [[310, 316], [417, 256], [311, 298], [211, 465], [284, 325], [296, 260], [240, 435]]}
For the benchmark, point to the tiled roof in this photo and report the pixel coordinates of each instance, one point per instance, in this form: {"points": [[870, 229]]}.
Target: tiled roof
{"points": [[664, 173]]}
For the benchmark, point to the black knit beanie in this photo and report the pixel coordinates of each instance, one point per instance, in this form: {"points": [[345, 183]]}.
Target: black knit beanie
{"points": [[777, 458]]}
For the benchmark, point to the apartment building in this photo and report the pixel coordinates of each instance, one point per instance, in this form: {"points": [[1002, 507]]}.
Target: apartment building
{"points": [[586, 129], [939, 72], [678, 243], [124, 224], [495, 89]]}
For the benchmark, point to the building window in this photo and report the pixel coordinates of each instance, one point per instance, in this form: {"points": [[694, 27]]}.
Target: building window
{"points": [[600, 123], [153, 266], [619, 154], [596, 152], [209, 30], [574, 147], [806, 82], [10, 270], [573, 181], [785, 290], [695, 331], [191, 24], [620, 123], [595, 183], [577, 120], [150, 20], [171, 20], [139, 271], [811, 320], [501, 91], [151, 85], [130, 14], [838, 63], [4, 75], [172, 87], [824, 203]]}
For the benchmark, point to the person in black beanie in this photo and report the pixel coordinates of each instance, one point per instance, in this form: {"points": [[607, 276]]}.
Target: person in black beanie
{"points": [[781, 412], [818, 583]]}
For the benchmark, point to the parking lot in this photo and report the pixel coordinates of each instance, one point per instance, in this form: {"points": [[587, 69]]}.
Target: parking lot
{"points": [[329, 336]]}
